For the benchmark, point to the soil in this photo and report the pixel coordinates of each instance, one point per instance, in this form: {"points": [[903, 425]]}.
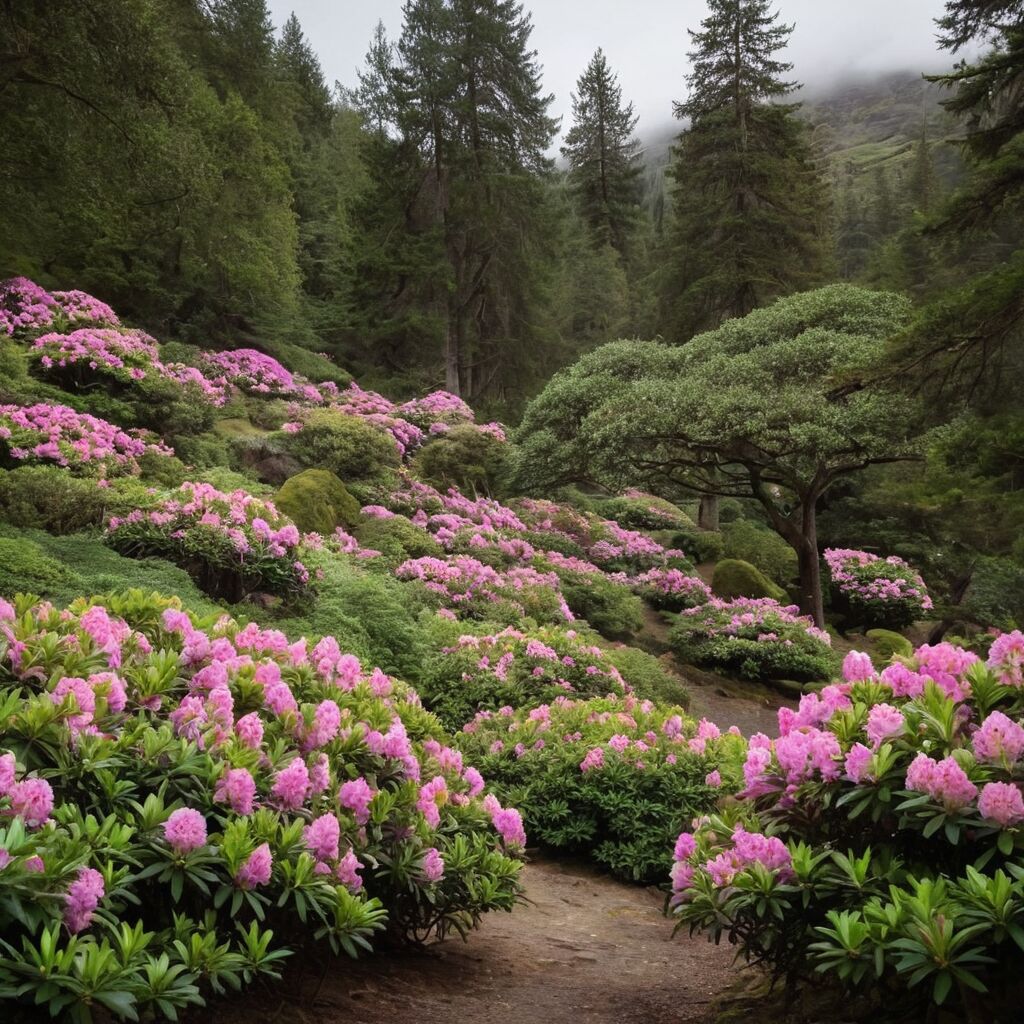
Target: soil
{"points": [[585, 949]]}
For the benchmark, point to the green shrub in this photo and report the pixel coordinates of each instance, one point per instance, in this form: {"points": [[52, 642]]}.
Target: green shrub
{"points": [[514, 669], [317, 501], [465, 457], [734, 578], [49, 498], [648, 675], [887, 644], [347, 446], [202, 450], [90, 567], [700, 545], [638, 511], [370, 614], [755, 639], [609, 607], [396, 538], [995, 596], [614, 780], [304, 361], [25, 567], [762, 548]]}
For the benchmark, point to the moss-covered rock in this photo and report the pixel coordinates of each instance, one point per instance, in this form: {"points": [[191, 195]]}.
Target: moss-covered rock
{"points": [[736, 578], [317, 501], [886, 644]]}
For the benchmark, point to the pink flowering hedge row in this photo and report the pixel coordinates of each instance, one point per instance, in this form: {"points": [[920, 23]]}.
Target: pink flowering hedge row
{"points": [[610, 778], [126, 359], [876, 592], [183, 802], [465, 588], [82, 444], [27, 309], [515, 669], [231, 544], [880, 838], [756, 638]]}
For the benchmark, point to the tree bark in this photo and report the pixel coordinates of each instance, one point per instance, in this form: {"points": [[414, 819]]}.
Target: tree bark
{"points": [[707, 512], [811, 602]]}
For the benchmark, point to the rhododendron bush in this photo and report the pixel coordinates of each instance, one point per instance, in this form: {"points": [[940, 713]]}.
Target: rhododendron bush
{"points": [[231, 544], [26, 308], [465, 587], [514, 669], [182, 801], [84, 445], [879, 841], [614, 778], [756, 638], [876, 591]]}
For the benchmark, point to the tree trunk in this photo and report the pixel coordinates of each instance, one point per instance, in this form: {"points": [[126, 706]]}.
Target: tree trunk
{"points": [[811, 602], [451, 357], [707, 512]]}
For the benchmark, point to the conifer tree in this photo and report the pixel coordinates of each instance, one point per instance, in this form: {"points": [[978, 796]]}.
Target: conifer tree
{"points": [[604, 156], [750, 204], [469, 126]]}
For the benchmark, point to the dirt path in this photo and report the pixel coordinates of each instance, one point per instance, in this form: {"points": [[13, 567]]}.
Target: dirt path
{"points": [[751, 706], [586, 950]]}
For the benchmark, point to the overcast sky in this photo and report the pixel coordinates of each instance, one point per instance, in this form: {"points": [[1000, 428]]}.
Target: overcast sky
{"points": [[646, 41]]}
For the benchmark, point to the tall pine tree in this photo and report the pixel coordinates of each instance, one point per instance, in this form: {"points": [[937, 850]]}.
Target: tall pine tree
{"points": [[750, 217], [604, 157], [468, 132]]}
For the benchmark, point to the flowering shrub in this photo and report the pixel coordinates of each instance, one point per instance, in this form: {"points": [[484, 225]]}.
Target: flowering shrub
{"points": [[231, 544], [754, 638], [125, 358], [637, 510], [83, 444], [876, 591], [880, 837], [672, 589], [26, 307], [472, 590], [614, 778], [183, 800], [514, 669], [255, 372]]}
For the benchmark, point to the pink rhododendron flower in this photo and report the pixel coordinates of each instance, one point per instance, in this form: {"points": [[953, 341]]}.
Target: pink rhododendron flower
{"points": [[257, 868], [323, 835], [236, 788], [32, 800], [185, 830], [1006, 658], [291, 785], [857, 666], [82, 899], [1001, 802], [884, 721], [713, 779], [433, 865], [858, 758], [999, 740]]}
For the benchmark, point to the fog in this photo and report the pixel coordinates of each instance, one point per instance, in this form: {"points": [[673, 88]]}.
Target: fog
{"points": [[646, 42]]}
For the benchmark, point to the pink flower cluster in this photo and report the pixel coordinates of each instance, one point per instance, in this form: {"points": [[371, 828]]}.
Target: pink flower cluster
{"points": [[252, 371], [864, 577], [77, 441], [464, 584], [743, 851], [26, 307], [672, 588]]}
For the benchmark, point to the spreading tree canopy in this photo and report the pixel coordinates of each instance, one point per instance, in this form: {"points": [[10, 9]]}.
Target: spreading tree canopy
{"points": [[771, 406], [750, 203]]}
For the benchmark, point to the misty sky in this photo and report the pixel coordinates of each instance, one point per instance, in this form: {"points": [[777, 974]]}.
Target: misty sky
{"points": [[646, 41]]}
